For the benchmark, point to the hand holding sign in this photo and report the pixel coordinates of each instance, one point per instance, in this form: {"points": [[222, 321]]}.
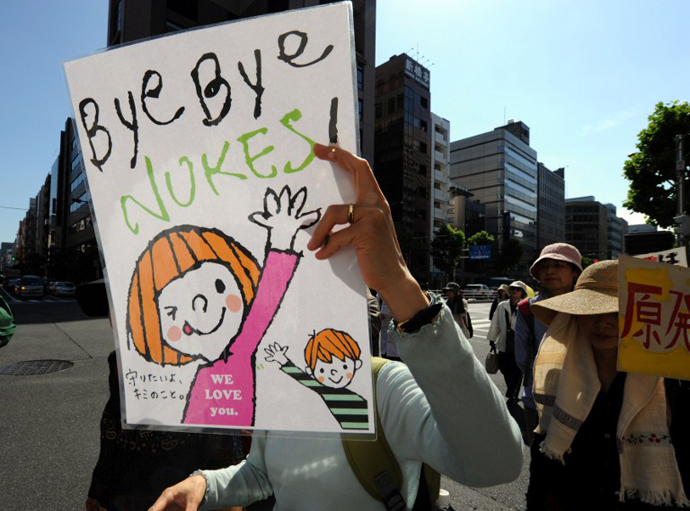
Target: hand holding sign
{"points": [[371, 233]]}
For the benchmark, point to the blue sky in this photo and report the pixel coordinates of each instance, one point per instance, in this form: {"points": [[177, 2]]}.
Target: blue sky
{"points": [[583, 75]]}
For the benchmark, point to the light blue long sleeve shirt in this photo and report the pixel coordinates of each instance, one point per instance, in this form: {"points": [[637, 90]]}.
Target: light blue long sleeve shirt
{"points": [[441, 408]]}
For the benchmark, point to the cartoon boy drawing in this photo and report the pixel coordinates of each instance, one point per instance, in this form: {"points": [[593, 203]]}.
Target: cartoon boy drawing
{"points": [[332, 359], [196, 293]]}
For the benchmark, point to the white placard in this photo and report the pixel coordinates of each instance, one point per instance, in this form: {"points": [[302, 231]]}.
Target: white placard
{"points": [[672, 256], [198, 150]]}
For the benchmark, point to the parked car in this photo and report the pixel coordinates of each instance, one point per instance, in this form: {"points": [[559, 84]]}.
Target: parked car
{"points": [[63, 289], [478, 292], [11, 284], [30, 286]]}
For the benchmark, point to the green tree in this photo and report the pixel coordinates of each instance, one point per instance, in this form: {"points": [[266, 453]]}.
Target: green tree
{"points": [[480, 238], [510, 255], [446, 249], [652, 169], [586, 261]]}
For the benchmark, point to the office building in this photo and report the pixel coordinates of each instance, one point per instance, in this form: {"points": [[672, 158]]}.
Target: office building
{"points": [[550, 206], [402, 160], [617, 229], [439, 183], [132, 20], [500, 169], [586, 227]]}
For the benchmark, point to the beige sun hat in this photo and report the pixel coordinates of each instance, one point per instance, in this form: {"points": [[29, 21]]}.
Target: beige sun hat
{"points": [[596, 292], [559, 252]]}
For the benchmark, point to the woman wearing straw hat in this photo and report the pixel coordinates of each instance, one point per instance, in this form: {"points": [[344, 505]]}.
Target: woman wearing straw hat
{"points": [[501, 336], [604, 436]]}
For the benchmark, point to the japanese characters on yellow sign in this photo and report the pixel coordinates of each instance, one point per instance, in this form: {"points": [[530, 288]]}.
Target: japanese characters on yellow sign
{"points": [[654, 304]]}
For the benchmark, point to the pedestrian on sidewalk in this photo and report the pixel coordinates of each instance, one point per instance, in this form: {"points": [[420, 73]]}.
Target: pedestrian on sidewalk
{"points": [[439, 407], [501, 336], [557, 269]]}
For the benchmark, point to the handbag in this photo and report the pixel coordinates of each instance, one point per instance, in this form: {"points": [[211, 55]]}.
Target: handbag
{"points": [[491, 362]]}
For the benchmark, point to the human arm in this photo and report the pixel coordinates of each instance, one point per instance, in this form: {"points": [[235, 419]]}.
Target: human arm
{"points": [[186, 495], [523, 344], [494, 304], [494, 328], [445, 411]]}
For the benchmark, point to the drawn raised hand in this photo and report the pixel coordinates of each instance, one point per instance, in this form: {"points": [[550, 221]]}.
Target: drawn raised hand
{"points": [[283, 217], [276, 353]]}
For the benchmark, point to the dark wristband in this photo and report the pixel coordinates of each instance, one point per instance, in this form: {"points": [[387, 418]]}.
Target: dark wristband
{"points": [[423, 317]]}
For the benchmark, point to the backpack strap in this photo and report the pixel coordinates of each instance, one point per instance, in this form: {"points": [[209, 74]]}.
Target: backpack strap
{"points": [[376, 467], [374, 463]]}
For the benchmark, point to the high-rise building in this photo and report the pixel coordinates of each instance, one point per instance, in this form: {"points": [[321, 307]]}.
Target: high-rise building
{"points": [[402, 161], [586, 227], [500, 169], [439, 182], [550, 206], [132, 20], [617, 229]]}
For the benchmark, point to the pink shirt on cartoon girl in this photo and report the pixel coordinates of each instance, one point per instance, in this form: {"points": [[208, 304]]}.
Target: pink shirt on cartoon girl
{"points": [[223, 394]]}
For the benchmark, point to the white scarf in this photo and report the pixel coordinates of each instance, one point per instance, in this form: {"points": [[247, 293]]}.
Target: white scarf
{"points": [[566, 384]]}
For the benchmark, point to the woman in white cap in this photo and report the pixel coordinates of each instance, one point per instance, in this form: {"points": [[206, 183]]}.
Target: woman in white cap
{"points": [[557, 269], [605, 438], [501, 336]]}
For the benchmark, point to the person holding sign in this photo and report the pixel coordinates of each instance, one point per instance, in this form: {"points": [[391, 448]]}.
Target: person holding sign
{"points": [[606, 437], [463, 429]]}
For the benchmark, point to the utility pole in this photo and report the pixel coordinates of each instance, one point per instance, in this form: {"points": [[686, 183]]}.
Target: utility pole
{"points": [[681, 219]]}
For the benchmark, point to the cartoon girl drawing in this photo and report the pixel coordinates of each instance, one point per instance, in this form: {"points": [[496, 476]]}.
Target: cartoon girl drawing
{"points": [[333, 358], [196, 293]]}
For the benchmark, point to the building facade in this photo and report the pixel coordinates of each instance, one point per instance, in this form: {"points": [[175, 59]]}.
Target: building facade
{"points": [[500, 169], [57, 234], [402, 158], [617, 229], [586, 227], [550, 206], [439, 183], [132, 20]]}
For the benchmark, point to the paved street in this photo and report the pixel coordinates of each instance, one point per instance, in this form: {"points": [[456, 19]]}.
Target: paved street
{"points": [[50, 422]]}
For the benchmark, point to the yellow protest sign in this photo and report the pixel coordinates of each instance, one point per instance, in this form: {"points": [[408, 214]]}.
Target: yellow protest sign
{"points": [[654, 304]]}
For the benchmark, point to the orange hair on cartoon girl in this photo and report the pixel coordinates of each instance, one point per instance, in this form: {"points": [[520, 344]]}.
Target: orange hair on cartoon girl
{"points": [[169, 256]]}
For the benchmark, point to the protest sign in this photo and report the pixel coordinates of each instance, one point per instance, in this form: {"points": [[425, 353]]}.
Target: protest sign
{"points": [[654, 304], [671, 256], [198, 150]]}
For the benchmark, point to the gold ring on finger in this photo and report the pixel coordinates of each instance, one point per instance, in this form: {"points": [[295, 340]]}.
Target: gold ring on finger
{"points": [[351, 213]]}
